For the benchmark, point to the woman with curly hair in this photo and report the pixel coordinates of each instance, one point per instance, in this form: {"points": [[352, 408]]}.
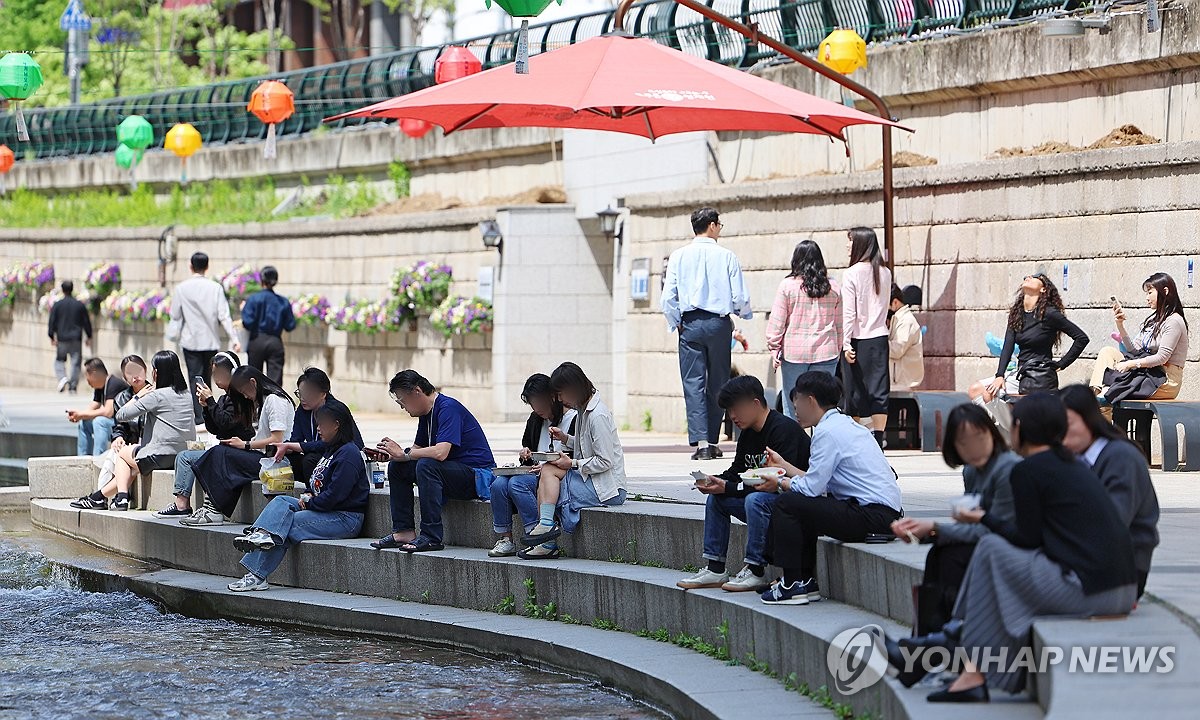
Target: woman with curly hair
{"points": [[1037, 322], [805, 329]]}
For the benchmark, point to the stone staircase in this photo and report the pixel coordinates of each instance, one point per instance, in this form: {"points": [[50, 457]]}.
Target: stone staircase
{"points": [[621, 574]]}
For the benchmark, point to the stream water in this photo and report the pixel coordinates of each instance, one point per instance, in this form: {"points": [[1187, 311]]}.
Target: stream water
{"points": [[67, 653]]}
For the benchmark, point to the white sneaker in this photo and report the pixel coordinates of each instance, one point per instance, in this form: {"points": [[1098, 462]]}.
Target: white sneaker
{"points": [[203, 517], [745, 581], [504, 548], [257, 540], [704, 579], [249, 582], [62, 384]]}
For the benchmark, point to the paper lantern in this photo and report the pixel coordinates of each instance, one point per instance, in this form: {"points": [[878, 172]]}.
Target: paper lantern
{"points": [[415, 128], [843, 51], [7, 158], [136, 132], [126, 157], [20, 77], [455, 62], [184, 140], [272, 103]]}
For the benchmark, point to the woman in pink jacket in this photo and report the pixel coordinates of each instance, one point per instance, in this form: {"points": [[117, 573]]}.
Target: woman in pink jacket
{"points": [[866, 290]]}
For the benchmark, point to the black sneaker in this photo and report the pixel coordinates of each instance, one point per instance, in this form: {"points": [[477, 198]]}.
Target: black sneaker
{"points": [[716, 452], [171, 511], [87, 503], [119, 503], [706, 453]]}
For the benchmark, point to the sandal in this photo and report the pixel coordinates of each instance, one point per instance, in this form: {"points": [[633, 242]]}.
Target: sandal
{"points": [[421, 544], [387, 542], [529, 541]]}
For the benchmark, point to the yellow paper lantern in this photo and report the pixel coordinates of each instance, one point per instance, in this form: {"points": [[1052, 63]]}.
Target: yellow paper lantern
{"points": [[843, 51], [184, 140]]}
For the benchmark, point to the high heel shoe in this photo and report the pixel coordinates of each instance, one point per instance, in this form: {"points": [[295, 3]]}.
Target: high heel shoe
{"points": [[977, 694]]}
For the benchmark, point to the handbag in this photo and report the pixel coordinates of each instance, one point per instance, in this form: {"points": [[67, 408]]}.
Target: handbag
{"points": [[1037, 375]]}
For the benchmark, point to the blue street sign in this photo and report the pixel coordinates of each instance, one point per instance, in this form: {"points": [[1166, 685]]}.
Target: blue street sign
{"points": [[74, 18]]}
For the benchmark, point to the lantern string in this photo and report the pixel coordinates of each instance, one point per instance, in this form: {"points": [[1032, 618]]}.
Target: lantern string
{"points": [[522, 59], [269, 148]]}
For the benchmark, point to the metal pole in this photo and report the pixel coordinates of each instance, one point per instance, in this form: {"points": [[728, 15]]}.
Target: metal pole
{"points": [[751, 33], [73, 63]]}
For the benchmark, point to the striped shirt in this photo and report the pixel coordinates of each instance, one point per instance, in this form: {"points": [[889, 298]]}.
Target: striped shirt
{"points": [[805, 329]]}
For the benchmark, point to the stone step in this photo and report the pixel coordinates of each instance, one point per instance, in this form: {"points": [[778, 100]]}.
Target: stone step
{"points": [[791, 640]]}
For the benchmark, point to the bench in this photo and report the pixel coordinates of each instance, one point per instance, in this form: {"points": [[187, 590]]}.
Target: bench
{"points": [[918, 418], [1136, 417]]}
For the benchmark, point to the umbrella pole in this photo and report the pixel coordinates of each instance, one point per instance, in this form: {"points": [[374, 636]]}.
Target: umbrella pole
{"points": [[751, 33]]}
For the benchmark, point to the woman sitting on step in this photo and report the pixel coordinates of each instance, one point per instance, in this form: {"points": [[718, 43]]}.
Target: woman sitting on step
{"points": [[333, 511], [167, 425], [592, 476], [1152, 369], [225, 469], [1066, 554]]}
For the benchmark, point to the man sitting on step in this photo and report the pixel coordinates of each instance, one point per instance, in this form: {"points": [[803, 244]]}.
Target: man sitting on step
{"points": [[728, 497], [848, 492]]}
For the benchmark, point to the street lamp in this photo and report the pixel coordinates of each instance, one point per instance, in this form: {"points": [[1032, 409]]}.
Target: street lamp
{"points": [[1075, 26], [608, 223], [492, 237]]}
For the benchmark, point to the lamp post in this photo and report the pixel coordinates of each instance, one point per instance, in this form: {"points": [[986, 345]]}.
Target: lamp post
{"points": [[751, 33], [608, 222]]}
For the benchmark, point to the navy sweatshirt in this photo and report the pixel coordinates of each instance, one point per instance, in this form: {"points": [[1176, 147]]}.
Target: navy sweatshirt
{"points": [[339, 481], [304, 428]]}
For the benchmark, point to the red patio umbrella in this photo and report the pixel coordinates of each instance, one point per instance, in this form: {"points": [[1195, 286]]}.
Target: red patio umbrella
{"points": [[622, 84]]}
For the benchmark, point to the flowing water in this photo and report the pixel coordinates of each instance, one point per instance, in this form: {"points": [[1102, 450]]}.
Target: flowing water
{"points": [[67, 653]]}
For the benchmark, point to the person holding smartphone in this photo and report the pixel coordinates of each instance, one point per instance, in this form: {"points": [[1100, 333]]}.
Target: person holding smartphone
{"points": [[1152, 366], [304, 448]]}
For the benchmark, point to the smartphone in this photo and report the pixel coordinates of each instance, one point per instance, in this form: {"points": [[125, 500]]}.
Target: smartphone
{"points": [[376, 454], [1116, 303], [271, 449], [699, 475], [200, 381]]}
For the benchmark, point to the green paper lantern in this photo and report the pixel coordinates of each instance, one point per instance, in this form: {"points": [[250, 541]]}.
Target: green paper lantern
{"points": [[522, 8], [136, 132], [126, 157], [20, 77]]}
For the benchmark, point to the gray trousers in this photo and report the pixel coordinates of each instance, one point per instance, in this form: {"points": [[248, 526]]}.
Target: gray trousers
{"points": [[73, 348], [704, 359]]}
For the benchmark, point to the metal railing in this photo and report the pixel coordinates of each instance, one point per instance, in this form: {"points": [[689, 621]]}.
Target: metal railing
{"points": [[219, 111]]}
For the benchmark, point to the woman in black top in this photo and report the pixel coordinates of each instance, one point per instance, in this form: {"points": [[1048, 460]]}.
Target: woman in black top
{"points": [[1036, 323], [1067, 553]]}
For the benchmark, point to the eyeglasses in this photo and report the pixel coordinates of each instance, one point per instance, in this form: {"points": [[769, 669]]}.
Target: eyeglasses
{"points": [[397, 399]]}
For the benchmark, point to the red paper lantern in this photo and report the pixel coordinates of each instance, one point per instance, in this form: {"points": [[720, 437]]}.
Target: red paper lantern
{"points": [[415, 128], [7, 158], [455, 62], [272, 102]]}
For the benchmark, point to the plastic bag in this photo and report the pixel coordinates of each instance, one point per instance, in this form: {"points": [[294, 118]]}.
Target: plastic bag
{"points": [[276, 477], [107, 464], [1000, 412]]}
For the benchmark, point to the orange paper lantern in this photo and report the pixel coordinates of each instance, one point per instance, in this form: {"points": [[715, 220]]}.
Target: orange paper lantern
{"points": [[272, 102], [415, 128], [7, 158], [455, 62]]}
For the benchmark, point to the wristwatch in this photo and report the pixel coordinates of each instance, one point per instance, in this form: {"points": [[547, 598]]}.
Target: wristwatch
{"points": [[247, 444], [407, 453]]}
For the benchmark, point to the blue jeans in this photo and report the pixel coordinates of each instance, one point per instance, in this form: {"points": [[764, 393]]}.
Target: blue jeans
{"points": [[438, 482], [518, 493], [577, 493], [284, 518], [791, 371], [754, 510], [185, 476], [94, 436]]}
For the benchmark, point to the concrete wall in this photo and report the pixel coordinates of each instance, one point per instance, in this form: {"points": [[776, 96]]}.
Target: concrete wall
{"points": [[967, 234], [337, 258], [553, 302]]}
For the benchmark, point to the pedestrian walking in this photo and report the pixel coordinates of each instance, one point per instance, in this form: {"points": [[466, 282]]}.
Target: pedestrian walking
{"points": [[704, 288], [69, 328], [266, 316], [199, 309]]}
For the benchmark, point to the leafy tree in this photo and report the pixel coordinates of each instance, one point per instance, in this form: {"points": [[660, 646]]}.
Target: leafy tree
{"points": [[420, 12]]}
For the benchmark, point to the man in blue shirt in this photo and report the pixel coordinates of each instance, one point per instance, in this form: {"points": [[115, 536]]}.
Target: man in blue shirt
{"points": [[702, 290], [849, 491], [266, 315], [443, 461]]}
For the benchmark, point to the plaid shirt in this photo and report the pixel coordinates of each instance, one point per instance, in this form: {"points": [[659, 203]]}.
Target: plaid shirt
{"points": [[806, 329]]}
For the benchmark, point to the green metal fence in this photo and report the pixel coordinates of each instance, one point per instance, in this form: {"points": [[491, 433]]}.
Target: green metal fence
{"points": [[219, 111]]}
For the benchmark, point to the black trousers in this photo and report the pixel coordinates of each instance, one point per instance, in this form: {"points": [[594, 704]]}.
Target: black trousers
{"points": [[945, 568], [797, 521], [199, 362], [266, 354]]}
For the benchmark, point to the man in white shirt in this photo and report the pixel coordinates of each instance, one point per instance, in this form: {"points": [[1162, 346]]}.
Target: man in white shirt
{"points": [[199, 309], [703, 288]]}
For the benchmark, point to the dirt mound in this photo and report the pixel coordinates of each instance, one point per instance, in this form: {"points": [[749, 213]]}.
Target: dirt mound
{"points": [[430, 202], [904, 159], [1124, 136]]}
